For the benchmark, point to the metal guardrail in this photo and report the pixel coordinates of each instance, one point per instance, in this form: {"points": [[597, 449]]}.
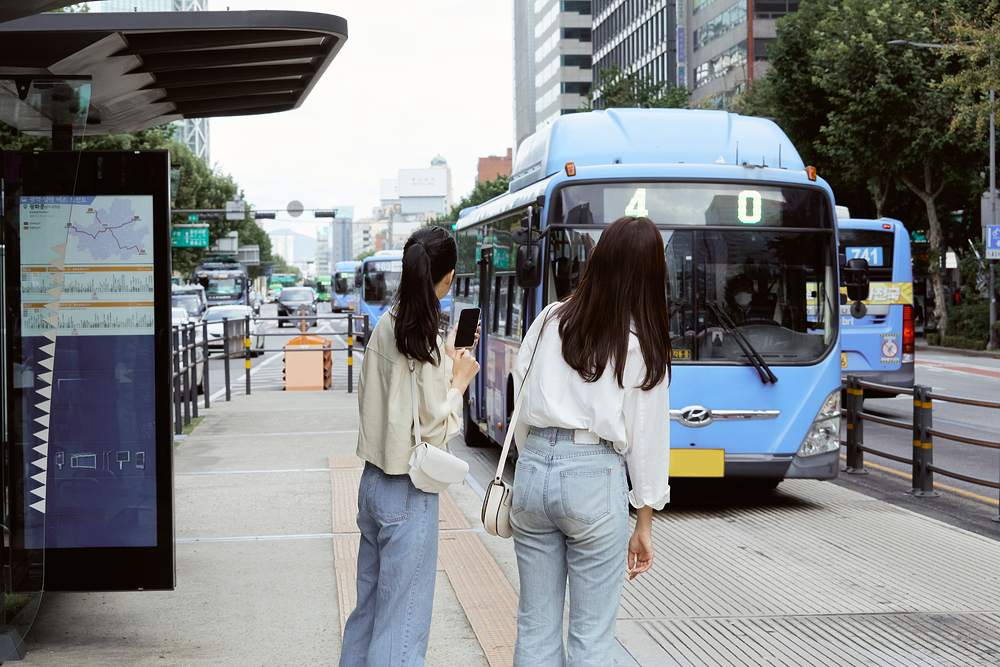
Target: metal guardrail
{"points": [[235, 343], [922, 427]]}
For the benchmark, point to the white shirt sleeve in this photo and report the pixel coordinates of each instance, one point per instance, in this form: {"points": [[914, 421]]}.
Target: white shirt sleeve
{"points": [[648, 453]]}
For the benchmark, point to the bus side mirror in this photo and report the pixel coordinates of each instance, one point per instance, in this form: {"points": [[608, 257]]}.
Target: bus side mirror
{"points": [[857, 282], [529, 265]]}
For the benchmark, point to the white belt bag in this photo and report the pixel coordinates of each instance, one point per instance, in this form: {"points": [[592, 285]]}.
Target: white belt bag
{"points": [[432, 470]]}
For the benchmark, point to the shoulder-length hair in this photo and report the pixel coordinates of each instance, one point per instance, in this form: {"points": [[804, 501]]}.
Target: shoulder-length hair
{"points": [[623, 288], [428, 256]]}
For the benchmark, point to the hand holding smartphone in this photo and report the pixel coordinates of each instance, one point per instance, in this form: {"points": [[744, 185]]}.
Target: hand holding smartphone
{"points": [[468, 326]]}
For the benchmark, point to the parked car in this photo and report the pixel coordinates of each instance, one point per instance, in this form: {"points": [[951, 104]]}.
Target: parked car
{"points": [[298, 301], [179, 317], [190, 297], [214, 317]]}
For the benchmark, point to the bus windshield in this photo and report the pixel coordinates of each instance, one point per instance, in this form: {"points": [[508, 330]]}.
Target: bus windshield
{"points": [[760, 255], [225, 285], [381, 279], [343, 282]]}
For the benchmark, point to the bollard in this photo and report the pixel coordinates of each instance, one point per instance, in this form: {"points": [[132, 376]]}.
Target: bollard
{"points": [[191, 351], [917, 439], [225, 354], [925, 486], [855, 430], [350, 354], [178, 427], [246, 350], [184, 383], [204, 374]]}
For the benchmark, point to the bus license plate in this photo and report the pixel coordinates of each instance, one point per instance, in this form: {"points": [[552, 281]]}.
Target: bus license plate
{"points": [[843, 360], [697, 462]]}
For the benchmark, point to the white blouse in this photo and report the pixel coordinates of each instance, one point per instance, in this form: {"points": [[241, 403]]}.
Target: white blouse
{"points": [[638, 422]]}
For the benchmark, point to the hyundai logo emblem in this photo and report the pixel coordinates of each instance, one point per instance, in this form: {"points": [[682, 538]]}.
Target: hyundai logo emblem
{"points": [[696, 416]]}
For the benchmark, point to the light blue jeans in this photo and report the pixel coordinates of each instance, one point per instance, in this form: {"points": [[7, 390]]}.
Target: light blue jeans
{"points": [[397, 565], [570, 521]]}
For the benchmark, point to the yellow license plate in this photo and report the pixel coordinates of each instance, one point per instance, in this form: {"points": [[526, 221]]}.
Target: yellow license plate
{"points": [[697, 462], [843, 360]]}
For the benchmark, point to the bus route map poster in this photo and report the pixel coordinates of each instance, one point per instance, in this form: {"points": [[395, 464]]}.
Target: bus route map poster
{"points": [[87, 372]]}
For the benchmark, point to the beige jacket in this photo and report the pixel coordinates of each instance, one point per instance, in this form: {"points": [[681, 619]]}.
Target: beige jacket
{"points": [[384, 398]]}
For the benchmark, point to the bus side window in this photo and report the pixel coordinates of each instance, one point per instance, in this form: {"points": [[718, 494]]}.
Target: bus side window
{"points": [[511, 308]]}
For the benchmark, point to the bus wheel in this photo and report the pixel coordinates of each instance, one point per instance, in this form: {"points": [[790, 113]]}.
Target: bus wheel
{"points": [[473, 436]]}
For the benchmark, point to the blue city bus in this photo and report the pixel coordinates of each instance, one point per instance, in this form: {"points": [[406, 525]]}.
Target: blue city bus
{"points": [[756, 380], [878, 346], [225, 281], [377, 280], [343, 287]]}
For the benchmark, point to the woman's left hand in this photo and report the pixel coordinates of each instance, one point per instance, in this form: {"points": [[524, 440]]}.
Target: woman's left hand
{"points": [[640, 545], [449, 343]]}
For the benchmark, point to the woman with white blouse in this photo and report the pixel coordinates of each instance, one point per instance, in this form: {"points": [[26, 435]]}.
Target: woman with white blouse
{"points": [[596, 402]]}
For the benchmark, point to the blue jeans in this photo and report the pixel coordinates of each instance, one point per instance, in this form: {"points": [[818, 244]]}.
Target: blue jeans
{"points": [[397, 565], [570, 520]]}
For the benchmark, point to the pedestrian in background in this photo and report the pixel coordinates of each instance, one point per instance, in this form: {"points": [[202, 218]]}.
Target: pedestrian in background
{"points": [[596, 401], [397, 558]]}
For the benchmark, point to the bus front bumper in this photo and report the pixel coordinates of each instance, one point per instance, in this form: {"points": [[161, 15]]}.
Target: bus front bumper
{"points": [[783, 466]]}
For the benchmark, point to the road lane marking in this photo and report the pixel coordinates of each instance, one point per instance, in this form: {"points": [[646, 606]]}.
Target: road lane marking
{"points": [[957, 368]]}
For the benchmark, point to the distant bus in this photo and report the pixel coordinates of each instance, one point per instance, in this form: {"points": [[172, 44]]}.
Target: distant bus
{"points": [[879, 346], [343, 286], [752, 279], [225, 282], [377, 281], [324, 286]]}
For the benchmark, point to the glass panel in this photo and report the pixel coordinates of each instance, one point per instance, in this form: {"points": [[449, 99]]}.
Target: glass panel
{"points": [[381, 280], [874, 246], [568, 253]]}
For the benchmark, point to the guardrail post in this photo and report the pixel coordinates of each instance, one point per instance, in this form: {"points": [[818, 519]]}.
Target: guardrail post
{"points": [[225, 354], [367, 330], [925, 484], [184, 383], [350, 353], [191, 353], [178, 426], [855, 432], [246, 349], [918, 435], [204, 373]]}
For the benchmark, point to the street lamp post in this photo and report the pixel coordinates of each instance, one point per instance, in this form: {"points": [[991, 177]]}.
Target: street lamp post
{"points": [[993, 185]]}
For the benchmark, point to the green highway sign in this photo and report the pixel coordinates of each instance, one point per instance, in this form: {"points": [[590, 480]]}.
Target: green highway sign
{"points": [[193, 217], [189, 237]]}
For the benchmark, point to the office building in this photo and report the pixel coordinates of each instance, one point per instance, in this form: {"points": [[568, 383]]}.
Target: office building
{"points": [[414, 197], [640, 36], [341, 243], [322, 262], [552, 61], [193, 132]]}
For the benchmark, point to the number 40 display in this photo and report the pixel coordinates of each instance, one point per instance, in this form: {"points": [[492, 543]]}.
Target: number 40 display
{"points": [[748, 206]]}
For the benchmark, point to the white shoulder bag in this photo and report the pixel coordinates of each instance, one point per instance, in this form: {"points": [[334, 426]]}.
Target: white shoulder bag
{"points": [[432, 470]]}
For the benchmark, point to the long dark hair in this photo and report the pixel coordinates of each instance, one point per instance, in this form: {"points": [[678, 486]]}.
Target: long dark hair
{"points": [[429, 254], [624, 284]]}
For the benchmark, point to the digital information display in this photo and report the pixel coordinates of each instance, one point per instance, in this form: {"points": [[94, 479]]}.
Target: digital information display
{"points": [[87, 283], [87, 329], [741, 206]]}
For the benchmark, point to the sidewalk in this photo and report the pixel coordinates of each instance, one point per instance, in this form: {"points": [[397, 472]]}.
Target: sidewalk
{"points": [[812, 574]]}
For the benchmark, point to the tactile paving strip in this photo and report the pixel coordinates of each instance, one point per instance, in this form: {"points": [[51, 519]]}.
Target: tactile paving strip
{"points": [[486, 596]]}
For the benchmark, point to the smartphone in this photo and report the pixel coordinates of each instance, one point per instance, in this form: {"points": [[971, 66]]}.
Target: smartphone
{"points": [[468, 323]]}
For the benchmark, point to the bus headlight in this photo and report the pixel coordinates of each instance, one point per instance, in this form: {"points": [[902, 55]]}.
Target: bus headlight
{"points": [[824, 434]]}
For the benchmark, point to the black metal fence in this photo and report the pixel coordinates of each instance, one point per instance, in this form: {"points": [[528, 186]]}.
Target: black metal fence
{"points": [[923, 431], [193, 347]]}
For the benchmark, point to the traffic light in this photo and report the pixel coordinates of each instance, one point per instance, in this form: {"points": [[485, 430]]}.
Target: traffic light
{"points": [[263, 214], [325, 214], [208, 217]]}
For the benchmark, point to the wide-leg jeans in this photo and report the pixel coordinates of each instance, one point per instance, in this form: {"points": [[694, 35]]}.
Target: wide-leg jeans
{"points": [[397, 565], [569, 516]]}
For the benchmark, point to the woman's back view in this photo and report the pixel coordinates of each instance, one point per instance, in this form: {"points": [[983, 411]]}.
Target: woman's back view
{"points": [[596, 401]]}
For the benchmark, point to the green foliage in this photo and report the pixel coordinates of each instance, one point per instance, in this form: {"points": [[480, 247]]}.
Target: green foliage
{"points": [[933, 339], [364, 255], [624, 90], [80, 8], [481, 193]]}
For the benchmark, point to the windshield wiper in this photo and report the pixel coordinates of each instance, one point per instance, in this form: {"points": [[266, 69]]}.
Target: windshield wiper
{"points": [[758, 361]]}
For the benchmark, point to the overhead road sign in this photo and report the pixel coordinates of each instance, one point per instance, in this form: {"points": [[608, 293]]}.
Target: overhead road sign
{"points": [[191, 237], [150, 68]]}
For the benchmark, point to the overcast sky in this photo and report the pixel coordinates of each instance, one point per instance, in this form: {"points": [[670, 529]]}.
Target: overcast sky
{"points": [[414, 80]]}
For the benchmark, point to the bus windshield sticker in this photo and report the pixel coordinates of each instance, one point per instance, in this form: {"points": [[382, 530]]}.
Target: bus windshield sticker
{"points": [[873, 254]]}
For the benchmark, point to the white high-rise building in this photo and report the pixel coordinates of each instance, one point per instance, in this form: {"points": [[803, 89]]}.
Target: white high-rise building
{"points": [[191, 131]]}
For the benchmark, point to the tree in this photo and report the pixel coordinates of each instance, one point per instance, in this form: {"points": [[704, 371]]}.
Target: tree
{"points": [[364, 255], [624, 90], [481, 193], [875, 115]]}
